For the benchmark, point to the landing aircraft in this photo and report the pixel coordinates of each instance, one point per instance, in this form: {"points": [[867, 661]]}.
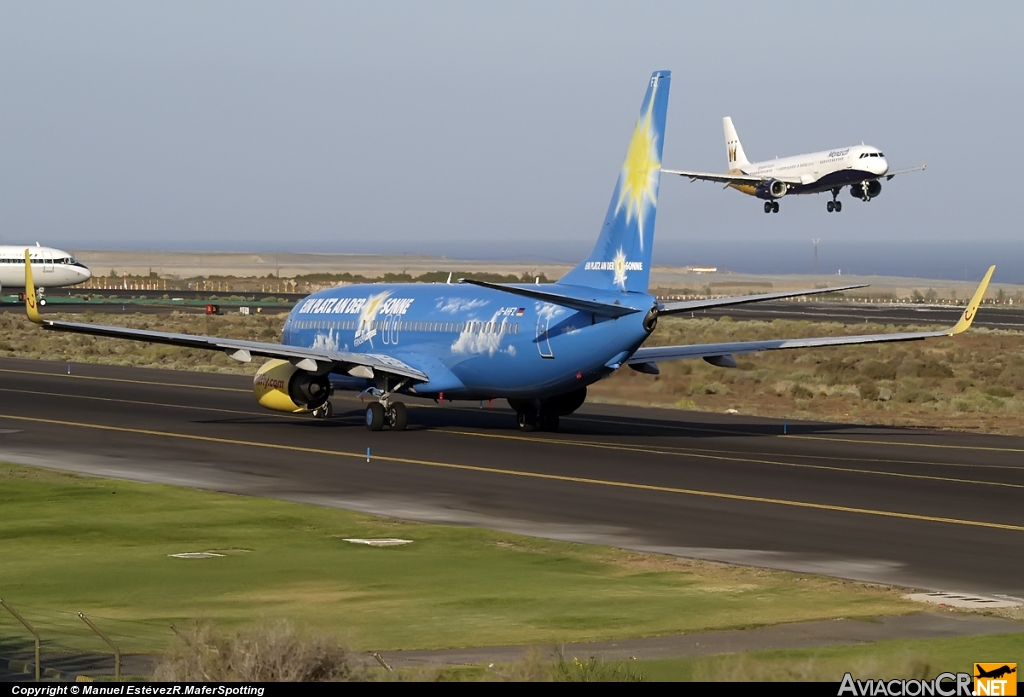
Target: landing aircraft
{"points": [[57, 268], [861, 167], [537, 346]]}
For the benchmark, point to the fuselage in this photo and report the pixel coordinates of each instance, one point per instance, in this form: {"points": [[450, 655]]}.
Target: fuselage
{"points": [[820, 171], [475, 343], [51, 268]]}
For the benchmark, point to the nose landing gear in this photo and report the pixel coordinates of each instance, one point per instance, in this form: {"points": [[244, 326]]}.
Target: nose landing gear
{"points": [[385, 412]]}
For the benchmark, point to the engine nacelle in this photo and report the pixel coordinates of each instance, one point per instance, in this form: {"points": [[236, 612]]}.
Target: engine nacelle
{"points": [[771, 189], [280, 386], [866, 190]]}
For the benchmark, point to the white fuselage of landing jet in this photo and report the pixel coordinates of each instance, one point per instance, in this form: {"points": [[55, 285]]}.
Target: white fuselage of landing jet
{"points": [[819, 171], [51, 268]]}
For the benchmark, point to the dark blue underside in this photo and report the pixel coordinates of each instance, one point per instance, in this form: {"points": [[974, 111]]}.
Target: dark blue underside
{"points": [[832, 181]]}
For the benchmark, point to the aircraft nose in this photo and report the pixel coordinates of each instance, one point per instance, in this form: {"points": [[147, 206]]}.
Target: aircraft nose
{"points": [[85, 273], [882, 166]]}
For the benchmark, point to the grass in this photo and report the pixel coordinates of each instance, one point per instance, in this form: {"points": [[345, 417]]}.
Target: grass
{"points": [[924, 659], [100, 546]]}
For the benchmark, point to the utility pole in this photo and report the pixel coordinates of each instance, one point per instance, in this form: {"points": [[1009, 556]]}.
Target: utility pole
{"points": [[816, 255]]}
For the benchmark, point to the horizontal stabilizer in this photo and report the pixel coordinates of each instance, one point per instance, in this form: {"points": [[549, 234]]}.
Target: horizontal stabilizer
{"points": [[673, 308], [595, 307]]}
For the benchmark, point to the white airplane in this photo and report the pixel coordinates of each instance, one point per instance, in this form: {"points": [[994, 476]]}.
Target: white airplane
{"points": [[861, 167], [52, 268]]}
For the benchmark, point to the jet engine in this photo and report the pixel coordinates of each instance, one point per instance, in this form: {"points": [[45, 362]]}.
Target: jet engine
{"points": [[866, 190], [771, 189], [280, 386]]}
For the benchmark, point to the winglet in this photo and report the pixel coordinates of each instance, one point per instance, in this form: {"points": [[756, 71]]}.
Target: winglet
{"points": [[972, 307], [31, 306]]}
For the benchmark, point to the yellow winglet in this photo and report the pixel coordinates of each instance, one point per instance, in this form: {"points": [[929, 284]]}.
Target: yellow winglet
{"points": [[31, 306], [972, 307]]}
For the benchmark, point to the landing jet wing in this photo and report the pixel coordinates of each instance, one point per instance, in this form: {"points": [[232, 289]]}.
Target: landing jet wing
{"points": [[721, 353], [310, 360], [673, 308], [724, 178], [592, 306], [890, 175]]}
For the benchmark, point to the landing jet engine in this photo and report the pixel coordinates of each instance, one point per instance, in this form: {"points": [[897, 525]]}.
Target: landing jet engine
{"points": [[866, 190], [771, 189], [280, 386]]}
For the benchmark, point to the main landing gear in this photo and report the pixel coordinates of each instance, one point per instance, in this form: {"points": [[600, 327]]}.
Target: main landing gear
{"points": [[325, 411], [834, 205], [771, 206], [532, 419], [385, 412]]}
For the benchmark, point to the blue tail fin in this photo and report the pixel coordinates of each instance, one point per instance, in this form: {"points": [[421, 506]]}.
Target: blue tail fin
{"points": [[621, 259]]}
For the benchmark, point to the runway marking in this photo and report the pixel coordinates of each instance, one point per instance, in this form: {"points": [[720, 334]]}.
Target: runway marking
{"points": [[863, 441], [134, 382], [135, 401], [532, 475], [705, 454]]}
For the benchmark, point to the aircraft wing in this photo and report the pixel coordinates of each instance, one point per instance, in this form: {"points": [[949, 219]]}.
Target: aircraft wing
{"points": [[726, 178], [724, 351], [890, 175], [672, 308], [598, 308], [308, 359]]}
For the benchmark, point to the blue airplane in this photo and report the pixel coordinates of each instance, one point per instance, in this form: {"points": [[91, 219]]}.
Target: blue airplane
{"points": [[537, 346]]}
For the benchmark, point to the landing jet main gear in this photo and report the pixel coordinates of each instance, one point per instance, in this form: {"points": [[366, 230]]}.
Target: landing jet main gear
{"points": [[771, 206], [385, 412], [835, 205]]}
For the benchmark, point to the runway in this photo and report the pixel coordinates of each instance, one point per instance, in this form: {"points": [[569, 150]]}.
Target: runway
{"points": [[916, 508]]}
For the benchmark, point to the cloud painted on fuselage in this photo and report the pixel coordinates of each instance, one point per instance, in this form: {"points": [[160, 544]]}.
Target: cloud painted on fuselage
{"points": [[475, 341], [455, 305]]}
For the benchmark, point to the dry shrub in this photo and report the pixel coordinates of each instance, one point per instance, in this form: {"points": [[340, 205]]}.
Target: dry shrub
{"points": [[266, 653]]}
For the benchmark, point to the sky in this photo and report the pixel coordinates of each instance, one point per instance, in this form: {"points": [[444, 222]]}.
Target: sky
{"points": [[496, 130]]}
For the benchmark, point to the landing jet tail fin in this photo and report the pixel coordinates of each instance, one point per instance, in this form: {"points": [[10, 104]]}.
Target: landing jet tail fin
{"points": [[733, 148], [621, 259]]}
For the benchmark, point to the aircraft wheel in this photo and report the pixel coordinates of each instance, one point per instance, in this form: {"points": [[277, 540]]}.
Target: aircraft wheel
{"points": [[42, 301], [831, 206], [775, 206], [526, 420], [375, 416], [398, 416], [767, 206], [839, 206], [323, 412], [549, 422]]}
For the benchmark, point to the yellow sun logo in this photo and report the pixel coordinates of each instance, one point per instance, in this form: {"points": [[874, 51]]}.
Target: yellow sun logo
{"points": [[640, 172]]}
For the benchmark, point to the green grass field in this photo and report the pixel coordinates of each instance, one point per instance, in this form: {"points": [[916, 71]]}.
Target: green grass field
{"points": [[883, 659], [101, 547]]}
